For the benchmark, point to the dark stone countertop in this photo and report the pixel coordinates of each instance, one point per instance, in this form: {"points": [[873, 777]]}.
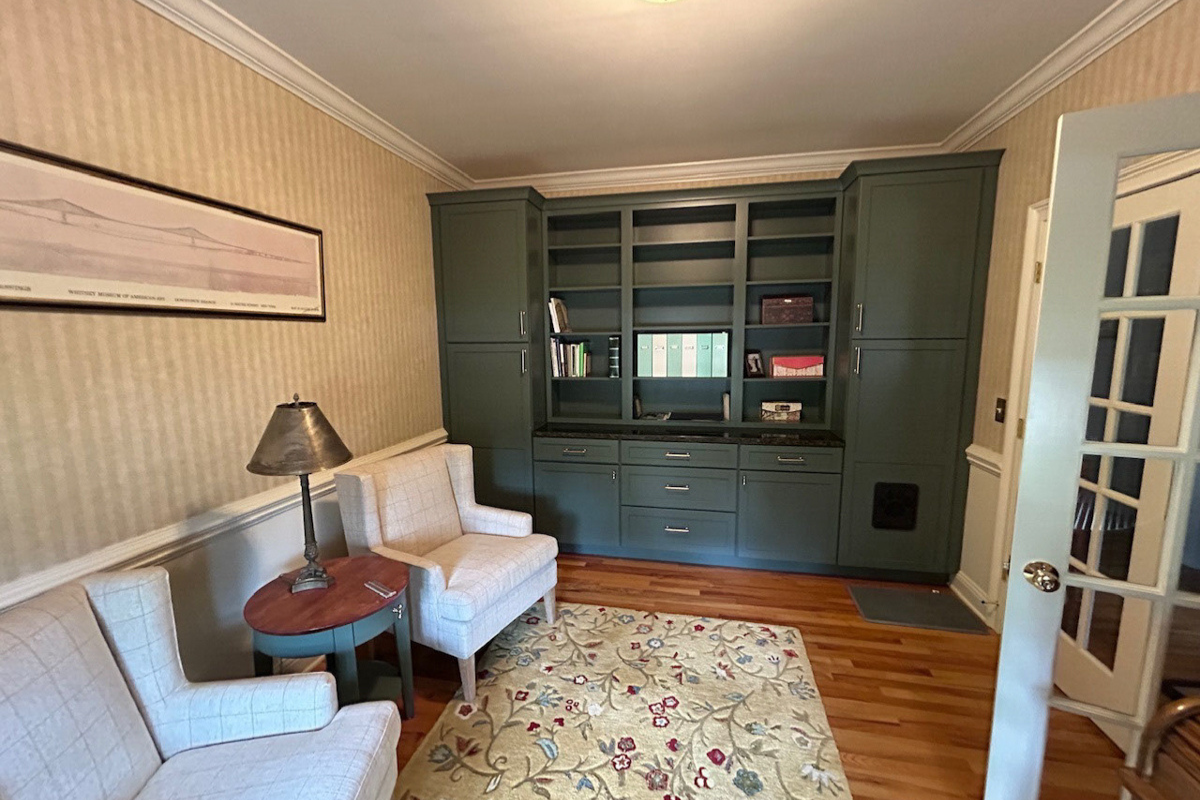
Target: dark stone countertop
{"points": [[795, 438]]}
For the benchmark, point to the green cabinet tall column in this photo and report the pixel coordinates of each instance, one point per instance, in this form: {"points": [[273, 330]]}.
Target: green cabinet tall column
{"points": [[917, 238], [488, 271]]}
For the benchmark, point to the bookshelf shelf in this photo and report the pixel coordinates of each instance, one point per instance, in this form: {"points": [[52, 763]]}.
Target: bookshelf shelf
{"points": [[786, 325], [791, 282], [693, 267], [610, 287], [789, 379], [786, 237]]}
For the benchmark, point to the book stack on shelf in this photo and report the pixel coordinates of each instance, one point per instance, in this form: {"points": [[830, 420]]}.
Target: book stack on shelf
{"points": [[571, 359]]}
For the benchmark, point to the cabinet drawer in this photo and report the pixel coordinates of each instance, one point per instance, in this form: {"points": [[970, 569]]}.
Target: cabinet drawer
{"points": [[690, 531], [676, 454], [586, 451], [791, 459], [698, 489]]}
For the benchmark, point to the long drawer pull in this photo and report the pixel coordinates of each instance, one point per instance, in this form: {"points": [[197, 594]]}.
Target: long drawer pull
{"points": [[790, 459], [672, 488], [673, 529], [574, 451], [677, 455]]}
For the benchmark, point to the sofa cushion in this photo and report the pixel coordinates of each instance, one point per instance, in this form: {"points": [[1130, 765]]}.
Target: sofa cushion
{"points": [[481, 570], [350, 758], [416, 502], [71, 727]]}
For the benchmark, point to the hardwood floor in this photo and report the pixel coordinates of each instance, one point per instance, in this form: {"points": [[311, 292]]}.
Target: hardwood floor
{"points": [[910, 708]]}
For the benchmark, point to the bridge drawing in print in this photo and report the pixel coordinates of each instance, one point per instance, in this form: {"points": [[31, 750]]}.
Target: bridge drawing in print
{"points": [[78, 237]]}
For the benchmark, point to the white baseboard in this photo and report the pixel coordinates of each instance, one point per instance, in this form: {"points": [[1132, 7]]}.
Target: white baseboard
{"points": [[158, 546], [975, 598]]}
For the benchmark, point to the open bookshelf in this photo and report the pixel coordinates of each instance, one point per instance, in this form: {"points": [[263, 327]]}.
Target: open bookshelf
{"points": [[692, 268]]}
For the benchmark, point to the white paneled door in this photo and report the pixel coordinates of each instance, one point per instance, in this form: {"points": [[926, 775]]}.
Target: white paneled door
{"points": [[1112, 441]]}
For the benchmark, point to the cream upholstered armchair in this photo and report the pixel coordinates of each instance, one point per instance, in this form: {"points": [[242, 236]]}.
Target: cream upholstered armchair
{"points": [[476, 568], [95, 706]]}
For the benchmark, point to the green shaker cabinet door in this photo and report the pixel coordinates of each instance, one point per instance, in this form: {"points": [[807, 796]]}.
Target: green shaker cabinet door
{"points": [[897, 517], [916, 254], [578, 504], [483, 265], [904, 402], [786, 516], [504, 478], [489, 395]]}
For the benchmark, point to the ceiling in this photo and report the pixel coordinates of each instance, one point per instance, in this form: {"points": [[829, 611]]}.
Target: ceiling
{"points": [[505, 88]]}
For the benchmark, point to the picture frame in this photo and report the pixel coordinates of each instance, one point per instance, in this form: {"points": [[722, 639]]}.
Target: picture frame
{"points": [[78, 236], [754, 364]]}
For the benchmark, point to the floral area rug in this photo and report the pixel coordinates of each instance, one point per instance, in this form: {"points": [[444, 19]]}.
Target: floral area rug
{"points": [[609, 703]]}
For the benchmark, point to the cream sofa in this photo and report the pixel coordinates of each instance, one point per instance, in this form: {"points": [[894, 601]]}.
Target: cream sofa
{"points": [[94, 705], [475, 568]]}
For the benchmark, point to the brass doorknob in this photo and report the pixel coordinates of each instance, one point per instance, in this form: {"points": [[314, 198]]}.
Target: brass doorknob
{"points": [[1043, 576]]}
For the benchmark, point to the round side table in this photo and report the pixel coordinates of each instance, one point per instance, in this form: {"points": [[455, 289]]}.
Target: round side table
{"points": [[333, 621]]}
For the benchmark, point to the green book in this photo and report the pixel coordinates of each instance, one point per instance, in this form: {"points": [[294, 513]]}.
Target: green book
{"points": [[645, 355], [704, 343], [674, 355], [720, 355]]}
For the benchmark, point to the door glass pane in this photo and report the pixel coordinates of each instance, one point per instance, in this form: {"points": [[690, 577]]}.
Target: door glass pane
{"points": [[1070, 618], [1181, 671], [1125, 476], [1118, 257], [1105, 628], [1106, 350], [1081, 535], [1116, 540], [1132, 428], [1158, 255], [1189, 568], [1089, 468], [1141, 361]]}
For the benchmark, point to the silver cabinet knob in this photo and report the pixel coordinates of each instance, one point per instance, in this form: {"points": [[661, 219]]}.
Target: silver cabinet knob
{"points": [[1043, 576]]}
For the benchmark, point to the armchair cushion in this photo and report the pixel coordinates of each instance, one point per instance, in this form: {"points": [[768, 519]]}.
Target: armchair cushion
{"points": [[71, 728], [481, 570], [351, 758]]}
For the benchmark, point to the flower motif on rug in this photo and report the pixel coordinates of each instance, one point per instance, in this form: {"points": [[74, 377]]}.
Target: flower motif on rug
{"points": [[613, 704]]}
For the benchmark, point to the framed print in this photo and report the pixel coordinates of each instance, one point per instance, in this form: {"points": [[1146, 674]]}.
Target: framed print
{"points": [[754, 364], [76, 235]]}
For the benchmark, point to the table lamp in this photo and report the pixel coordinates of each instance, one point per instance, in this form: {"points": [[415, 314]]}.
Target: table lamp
{"points": [[300, 441]]}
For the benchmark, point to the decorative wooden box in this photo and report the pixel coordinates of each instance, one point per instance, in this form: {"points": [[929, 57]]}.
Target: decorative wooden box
{"points": [[787, 310]]}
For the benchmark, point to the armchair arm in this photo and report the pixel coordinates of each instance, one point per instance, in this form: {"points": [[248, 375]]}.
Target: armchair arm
{"points": [[496, 521], [428, 573], [474, 517], [202, 714]]}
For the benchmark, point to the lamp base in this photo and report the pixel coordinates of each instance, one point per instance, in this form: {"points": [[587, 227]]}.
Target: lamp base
{"points": [[312, 576]]}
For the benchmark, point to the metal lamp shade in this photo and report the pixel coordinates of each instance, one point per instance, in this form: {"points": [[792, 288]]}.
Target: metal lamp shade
{"points": [[298, 441]]}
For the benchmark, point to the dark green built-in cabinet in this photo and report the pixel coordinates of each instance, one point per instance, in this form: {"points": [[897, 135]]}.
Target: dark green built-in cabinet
{"points": [[487, 256], [870, 481]]}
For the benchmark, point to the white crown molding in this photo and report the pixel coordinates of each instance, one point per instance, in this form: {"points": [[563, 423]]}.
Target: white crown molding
{"points": [[698, 171], [229, 35], [158, 546], [1099, 36], [986, 459]]}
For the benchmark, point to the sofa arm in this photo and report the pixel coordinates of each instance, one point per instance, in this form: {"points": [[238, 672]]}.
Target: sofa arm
{"points": [[202, 714], [495, 521]]}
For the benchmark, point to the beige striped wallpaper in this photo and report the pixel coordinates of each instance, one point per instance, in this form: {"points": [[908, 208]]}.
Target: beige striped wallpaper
{"points": [[114, 424], [1159, 60]]}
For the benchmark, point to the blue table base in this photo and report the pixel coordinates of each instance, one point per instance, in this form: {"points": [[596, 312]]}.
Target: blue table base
{"points": [[337, 645]]}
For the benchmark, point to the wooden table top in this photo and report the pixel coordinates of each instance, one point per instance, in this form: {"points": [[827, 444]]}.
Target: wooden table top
{"points": [[274, 610]]}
